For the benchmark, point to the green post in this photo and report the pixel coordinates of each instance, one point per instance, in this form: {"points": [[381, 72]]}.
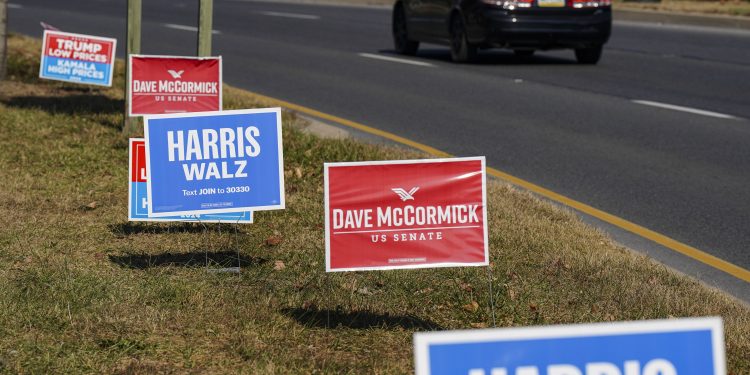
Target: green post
{"points": [[3, 38], [205, 27], [133, 46]]}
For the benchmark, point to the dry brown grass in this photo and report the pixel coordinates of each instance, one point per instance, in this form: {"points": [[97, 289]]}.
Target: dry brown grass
{"points": [[82, 290]]}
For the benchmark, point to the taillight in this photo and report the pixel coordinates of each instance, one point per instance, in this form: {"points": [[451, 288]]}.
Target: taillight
{"points": [[589, 3]]}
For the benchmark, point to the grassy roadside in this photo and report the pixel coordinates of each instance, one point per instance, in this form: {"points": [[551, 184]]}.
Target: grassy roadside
{"points": [[83, 290], [698, 7]]}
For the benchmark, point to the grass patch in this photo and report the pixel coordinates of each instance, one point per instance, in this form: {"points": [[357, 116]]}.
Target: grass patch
{"points": [[83, 290], [711, 7]]}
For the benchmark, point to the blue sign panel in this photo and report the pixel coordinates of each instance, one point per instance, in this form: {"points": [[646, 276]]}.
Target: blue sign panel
{"points": [[77, 58], [138, 199], [214, 162], [139, 211], [669, 347]]}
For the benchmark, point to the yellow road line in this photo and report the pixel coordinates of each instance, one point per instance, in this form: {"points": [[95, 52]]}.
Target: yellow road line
{"points": [[661, 239]]}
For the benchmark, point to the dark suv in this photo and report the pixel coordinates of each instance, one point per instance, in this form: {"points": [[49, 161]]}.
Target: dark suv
{"points": [[521, 25]]}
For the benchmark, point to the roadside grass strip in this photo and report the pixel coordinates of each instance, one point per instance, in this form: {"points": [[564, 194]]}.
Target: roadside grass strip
{"points": [[83, 290]]}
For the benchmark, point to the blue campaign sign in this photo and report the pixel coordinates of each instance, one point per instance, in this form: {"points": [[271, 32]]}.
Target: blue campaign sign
{"points": [[77, 58], [138, 198], [214, 162], [692, 346]]}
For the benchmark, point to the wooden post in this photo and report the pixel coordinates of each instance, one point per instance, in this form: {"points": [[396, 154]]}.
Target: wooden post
{"points": [[205, 26], [132, 126], [3, 38]]}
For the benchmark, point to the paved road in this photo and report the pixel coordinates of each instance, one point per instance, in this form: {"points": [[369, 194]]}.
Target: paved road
{"points": [[576, 130]]}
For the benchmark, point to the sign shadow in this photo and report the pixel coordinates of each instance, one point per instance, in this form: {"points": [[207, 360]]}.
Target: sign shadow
{"points": [[130, 228], [88, 103], [193, 259], [324, 318]]}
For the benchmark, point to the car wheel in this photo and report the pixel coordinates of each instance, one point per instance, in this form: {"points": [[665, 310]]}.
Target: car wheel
{"points": [[590, 55], [461, 50], [401, 41]]}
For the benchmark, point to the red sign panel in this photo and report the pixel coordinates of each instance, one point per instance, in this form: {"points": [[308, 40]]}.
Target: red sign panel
{"points": [[138, 160], [164, 84], [405, 214]]}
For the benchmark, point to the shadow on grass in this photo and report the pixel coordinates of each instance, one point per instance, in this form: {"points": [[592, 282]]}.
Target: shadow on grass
{"points": [[84, 103], [314, 317], [131, 228], [193, 259]]}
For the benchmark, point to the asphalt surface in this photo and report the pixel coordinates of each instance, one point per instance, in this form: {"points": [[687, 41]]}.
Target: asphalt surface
{"points": [[576, 130]]}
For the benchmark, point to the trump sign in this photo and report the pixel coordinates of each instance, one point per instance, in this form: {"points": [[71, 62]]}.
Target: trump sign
{"points": [[692, 346], [138, 199], [214, 162], [405, 214], [77, 58], [171, 84]]}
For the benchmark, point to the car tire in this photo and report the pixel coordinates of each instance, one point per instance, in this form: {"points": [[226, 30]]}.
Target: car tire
{"points": [[461, 50], [401, 42], [589, 55]]}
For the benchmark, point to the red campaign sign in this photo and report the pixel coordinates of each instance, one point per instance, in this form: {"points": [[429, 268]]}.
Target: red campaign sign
{"points": [[79, 47], [170, 84], [405, 214], [137, 160]]}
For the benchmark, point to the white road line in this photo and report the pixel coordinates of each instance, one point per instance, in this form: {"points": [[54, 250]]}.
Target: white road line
{"points": [[684, 109], [291, 15], [187, 28], [14, 6], [394, 59]]}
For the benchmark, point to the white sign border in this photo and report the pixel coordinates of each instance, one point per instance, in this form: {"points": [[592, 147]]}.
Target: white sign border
{"points": [[422, 340], [279, 146], [130, 81], [164, 220], [326, 166], [112, 60]]}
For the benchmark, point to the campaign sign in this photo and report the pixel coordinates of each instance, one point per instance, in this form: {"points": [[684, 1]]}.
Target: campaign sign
{"points": [[214, 162], [138, 197], [693, 346], [173, 84], [405, 214], [77, 58]]}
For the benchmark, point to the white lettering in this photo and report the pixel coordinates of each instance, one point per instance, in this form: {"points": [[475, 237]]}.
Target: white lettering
{"points": [[563, 370], [173, 145], [602, 368], [654, 367], [192, 171], [659, 367], [254, 148]]}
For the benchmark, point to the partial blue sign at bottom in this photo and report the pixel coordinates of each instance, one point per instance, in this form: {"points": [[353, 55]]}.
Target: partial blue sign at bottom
{"points": [[664, 347]]}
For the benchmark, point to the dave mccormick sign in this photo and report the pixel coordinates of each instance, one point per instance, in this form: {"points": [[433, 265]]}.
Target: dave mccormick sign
{"points": [[77, 58], [405, 214], [171, 84], [662, 347], [214, 162], [138, 198]]}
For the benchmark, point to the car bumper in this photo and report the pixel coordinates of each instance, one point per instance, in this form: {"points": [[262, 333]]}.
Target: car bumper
{"points": [[568, 28]]}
